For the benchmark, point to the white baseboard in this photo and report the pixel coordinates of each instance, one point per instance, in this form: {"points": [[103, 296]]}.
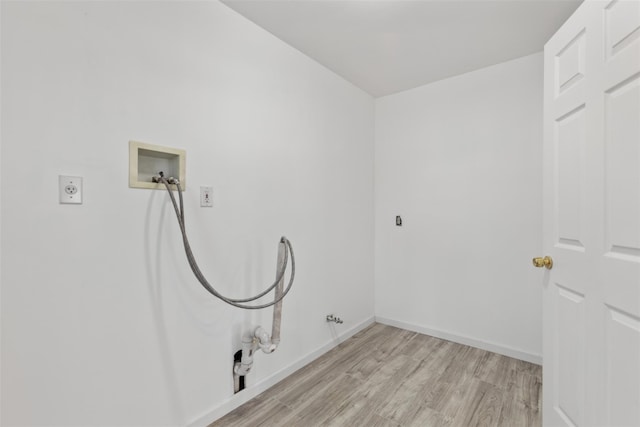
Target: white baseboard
{"points": [[252, 391], [461, 339]]}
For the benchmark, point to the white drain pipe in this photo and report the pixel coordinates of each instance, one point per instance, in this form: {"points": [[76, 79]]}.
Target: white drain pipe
{"points": [[277, 308], [260, 337]]}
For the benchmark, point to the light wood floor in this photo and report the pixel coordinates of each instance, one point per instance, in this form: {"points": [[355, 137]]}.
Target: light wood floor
{"points": [[384, 376]]}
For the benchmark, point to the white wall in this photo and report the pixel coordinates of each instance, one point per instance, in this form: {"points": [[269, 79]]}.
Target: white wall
{"points": [[460, 160], [102, 322]]}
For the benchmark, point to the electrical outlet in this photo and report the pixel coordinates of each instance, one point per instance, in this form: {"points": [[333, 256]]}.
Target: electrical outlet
{"points": [[70, 189], [206, 197]]}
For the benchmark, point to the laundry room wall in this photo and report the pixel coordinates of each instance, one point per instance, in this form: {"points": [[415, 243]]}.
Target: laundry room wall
{"points": [[102, 320], [460, 160]]}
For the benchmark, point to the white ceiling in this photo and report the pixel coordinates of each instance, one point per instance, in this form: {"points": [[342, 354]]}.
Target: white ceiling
{"points": [[387, 46]]}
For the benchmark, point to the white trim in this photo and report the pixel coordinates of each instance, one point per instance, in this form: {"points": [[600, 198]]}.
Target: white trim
{"points": [[249, 393], [461, 339]]}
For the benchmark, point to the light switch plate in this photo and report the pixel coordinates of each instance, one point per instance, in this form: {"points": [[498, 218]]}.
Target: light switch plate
{"points": [[70, 189]]}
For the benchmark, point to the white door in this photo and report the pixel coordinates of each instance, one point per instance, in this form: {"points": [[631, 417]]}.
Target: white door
{"points": [[591, 345]]}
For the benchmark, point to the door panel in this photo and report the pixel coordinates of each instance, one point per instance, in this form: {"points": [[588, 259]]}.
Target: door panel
{"points": [[620, 260], [623, 170], [569, 147], [566, 291], [570, 341], [591, 339], [622, 386], [570, 64], [622, 27]]}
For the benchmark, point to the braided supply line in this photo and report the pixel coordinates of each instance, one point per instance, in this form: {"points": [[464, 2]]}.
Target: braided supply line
{"points": [[236, 302]]}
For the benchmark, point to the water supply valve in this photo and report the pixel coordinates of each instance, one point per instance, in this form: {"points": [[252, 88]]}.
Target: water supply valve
{"points": [[332, 318]]}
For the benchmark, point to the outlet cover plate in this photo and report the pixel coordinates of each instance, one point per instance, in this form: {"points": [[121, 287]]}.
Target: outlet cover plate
{"points": [[206, 197], [70, 189]]}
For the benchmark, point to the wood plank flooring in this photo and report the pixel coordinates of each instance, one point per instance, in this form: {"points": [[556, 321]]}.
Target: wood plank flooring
{"points": [[385, 376]]}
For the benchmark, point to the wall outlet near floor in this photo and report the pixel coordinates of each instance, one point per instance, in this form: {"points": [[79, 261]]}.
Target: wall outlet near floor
{"points": [[70, 189]]}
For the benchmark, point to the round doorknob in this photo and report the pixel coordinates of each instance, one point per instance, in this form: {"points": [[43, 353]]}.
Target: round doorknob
{"points": [[540, 262]]}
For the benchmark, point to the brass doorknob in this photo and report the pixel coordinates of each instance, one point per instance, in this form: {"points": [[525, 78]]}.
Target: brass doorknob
{"points": [[543, 262]]}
